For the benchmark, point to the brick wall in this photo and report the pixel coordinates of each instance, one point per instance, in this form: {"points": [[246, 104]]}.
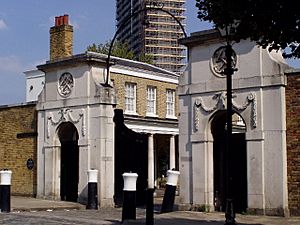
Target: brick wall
{"points": [[17, 145], [119, 81], [293, 142]]}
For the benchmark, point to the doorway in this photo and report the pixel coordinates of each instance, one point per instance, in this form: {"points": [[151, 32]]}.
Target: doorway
{"points": [[69, 163], [237, 163]]}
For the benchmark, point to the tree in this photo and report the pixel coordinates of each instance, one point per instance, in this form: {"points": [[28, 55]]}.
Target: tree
{"points": [[271, 23], [146, 58], [120, 50]]}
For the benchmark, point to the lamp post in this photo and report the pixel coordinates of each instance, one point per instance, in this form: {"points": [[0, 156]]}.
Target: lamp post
{"points": [[228, 72]]}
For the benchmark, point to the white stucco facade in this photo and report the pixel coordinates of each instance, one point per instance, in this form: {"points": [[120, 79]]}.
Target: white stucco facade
{"points": [[259, 98], [35, 80]]}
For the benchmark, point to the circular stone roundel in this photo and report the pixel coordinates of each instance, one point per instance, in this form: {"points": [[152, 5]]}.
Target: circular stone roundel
{"points": [[218, 61], [65, 84]]}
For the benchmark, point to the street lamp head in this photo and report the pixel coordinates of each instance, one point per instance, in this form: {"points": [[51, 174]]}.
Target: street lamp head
{"points": [[227, 31]]}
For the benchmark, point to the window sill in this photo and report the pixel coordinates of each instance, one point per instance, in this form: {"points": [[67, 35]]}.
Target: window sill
{"points": [[171, 117], [131, 113], [151, 115]]}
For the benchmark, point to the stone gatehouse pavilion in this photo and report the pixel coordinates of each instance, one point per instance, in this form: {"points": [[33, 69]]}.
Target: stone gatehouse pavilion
{"points": [[265, 158]]}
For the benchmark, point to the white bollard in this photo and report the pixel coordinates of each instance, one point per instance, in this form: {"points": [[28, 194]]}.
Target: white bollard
{"points": [[5, 184], [129, 196], [172, 177], [92, 189], [169, 197]]}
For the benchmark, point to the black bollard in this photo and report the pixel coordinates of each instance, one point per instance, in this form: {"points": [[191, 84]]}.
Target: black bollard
{"points": [[129, 196], [149, 207], [170, 191], [92, 189], [5, 184], [0, 198]]}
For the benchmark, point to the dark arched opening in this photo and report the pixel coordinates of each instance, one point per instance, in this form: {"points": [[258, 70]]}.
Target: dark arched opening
{"points": [[237, 166], [69, 161]]}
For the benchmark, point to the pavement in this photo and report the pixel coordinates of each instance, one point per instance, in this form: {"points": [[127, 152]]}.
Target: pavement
{"points": [[21, 204], [32, 211]]}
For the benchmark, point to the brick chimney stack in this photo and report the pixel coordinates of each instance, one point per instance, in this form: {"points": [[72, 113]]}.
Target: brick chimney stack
{"points": [[61, 38]]}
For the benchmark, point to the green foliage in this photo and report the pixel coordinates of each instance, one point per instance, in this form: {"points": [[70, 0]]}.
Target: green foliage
{"points": [[146, 58], [274, 23], [120, 50]]}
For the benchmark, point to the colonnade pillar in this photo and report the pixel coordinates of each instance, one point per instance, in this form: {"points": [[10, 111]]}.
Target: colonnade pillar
{"points": [[150, 161], [172, 162]]}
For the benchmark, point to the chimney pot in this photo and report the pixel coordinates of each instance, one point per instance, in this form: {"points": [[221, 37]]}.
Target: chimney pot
{"points": [[56, 21], [66, 19], [60, 21]]}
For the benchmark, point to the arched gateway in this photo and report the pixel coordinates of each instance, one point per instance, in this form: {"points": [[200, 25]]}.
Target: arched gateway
{"points": [[256, 161], [69, 161], [236, 168]]}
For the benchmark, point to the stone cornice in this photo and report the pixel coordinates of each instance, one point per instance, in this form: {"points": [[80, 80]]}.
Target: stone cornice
{"points": [[239, 83], [201, 38], [73, 60]]}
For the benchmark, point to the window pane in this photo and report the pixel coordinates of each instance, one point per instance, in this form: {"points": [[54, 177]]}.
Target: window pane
{"points": [[151, 100], [130, 97], [170, 103]]}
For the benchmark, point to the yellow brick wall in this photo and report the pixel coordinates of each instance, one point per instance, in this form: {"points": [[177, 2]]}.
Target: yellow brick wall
{"points": [[61, 42], [119, 81], [18, 144]]}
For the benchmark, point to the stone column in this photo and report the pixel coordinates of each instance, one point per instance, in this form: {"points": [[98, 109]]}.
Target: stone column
{"points": [[172, 152], [150, 189], [150, 161]]}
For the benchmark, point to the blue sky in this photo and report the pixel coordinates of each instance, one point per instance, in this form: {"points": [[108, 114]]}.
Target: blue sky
{"points": [[24, 34]]}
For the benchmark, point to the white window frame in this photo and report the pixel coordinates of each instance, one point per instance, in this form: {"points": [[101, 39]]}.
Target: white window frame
{"points": [[170, 104], [151, 98], [130, 98]]}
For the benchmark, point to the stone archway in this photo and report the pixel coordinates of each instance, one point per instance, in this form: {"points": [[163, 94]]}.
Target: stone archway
{"points": [[237, 159], [69, 163]]}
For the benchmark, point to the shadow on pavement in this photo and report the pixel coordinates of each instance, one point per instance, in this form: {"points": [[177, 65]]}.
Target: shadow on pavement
{"points": [[194, 222], [179, 221], [114, 222]]}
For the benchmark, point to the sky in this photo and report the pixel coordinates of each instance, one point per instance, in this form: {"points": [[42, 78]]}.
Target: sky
{"points": [[24, 35]]}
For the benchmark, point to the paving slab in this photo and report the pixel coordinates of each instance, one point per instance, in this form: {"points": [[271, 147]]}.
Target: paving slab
{"points": [[19, 203]]}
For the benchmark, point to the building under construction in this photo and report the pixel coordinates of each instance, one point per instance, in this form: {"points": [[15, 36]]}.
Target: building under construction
{"points": [[153, 32]]}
